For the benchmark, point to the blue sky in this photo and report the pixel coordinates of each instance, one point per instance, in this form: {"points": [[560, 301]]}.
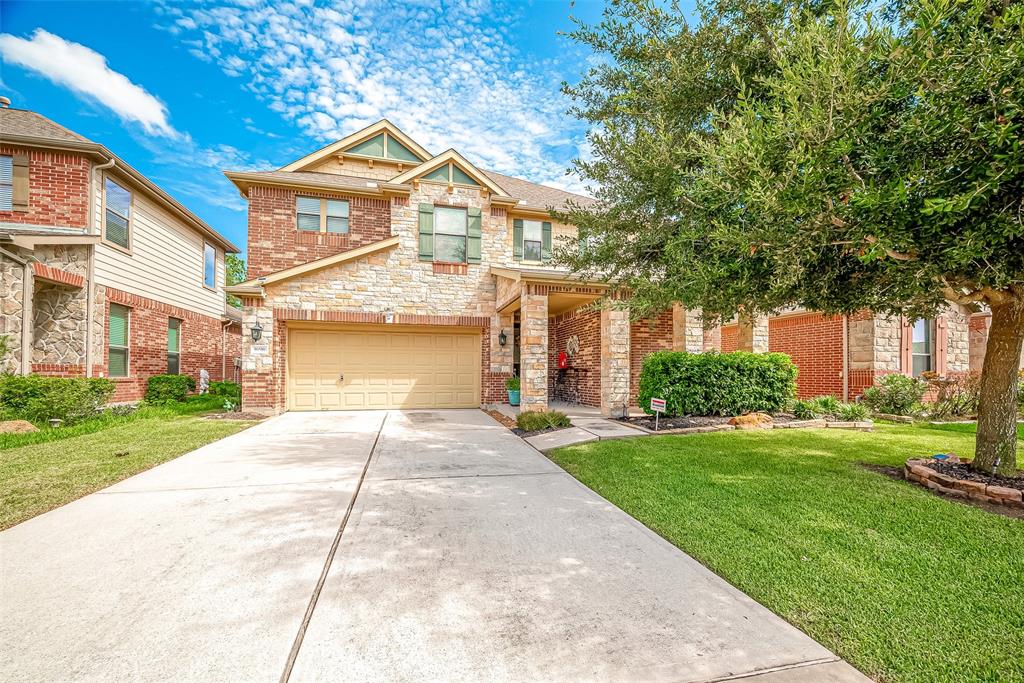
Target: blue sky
{"points": [[183, 91]]}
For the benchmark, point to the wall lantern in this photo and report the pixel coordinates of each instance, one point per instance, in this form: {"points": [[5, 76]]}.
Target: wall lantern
{"points": [[502, 338], [256, 331]]}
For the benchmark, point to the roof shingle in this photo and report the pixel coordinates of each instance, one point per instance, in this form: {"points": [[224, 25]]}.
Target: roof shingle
{"points": [[30, 124]]}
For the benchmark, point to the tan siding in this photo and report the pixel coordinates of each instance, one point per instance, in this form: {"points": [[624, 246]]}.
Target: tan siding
{"points": [[166, 263]]}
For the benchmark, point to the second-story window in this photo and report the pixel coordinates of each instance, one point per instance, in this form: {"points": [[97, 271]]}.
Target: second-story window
{"points": [[117, 214], [533, 235], [209, 266], [6, 183], [313, 214], [450, 235]]}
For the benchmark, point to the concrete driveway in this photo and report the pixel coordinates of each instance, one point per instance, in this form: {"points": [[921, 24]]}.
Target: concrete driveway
{"points": [[464, 555]]}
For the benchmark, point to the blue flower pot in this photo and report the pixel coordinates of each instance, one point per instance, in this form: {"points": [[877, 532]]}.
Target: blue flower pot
{"points": [[513, 397]]}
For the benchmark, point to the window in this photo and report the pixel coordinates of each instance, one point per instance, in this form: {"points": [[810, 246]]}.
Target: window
{"points": [[923, 349], [117, 340], [533, 236], [322, 215], [173, 346], [117, 216], [6, 183], [449, 235], [209, 266]]}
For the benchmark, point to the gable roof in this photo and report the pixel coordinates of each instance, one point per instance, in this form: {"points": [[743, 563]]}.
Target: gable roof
{"points": [[356, 138], [451, 156], [312, 180], [536, 196], [27, 128]]}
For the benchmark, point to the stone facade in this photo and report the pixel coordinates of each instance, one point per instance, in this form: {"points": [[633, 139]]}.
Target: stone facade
{"points": [[59, 311], [12, 279], [752, 334], [615, 367]]}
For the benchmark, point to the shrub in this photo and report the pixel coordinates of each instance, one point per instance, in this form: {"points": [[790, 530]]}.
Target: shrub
{"points": [[536, 420], [512, 383], [169, 388], [38, 399], [827, 405], [229, 390], [852, 412], [895, 394], [714, 383], [956, 395], [805, 410]]}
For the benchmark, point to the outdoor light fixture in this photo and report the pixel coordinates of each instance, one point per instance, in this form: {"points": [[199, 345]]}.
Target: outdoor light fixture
{"points": [[502, 338], [256, 331]]}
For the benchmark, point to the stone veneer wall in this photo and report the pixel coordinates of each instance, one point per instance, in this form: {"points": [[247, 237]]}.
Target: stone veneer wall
{"points": [[12, 277], [615, 367], [60, 312]]}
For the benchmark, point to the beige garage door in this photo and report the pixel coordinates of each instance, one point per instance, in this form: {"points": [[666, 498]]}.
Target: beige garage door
{"points": [[383, 367]]}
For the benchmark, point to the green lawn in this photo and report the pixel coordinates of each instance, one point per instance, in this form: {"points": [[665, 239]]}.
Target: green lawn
{"points": [[49, 468], [904, 584]]}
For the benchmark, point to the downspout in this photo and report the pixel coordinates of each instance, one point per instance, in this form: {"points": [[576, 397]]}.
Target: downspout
{"points": [[25, 363], [224, 350], [90, 291], [846, 358]]}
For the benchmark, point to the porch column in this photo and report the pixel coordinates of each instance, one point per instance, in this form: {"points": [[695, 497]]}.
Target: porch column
{"points": [[259, 389], [533, 354], [687, 329], [615, 335], [753, 334]]}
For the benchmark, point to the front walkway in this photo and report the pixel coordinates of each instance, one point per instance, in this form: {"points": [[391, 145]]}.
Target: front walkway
{"points": [[463, 555]]}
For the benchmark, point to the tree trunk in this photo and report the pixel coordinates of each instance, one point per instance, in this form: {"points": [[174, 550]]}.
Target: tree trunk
{"points": [[996, 444]]}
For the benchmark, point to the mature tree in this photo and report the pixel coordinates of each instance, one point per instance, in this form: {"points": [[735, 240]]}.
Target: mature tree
{"points": [[234, 266], [820, 156]]}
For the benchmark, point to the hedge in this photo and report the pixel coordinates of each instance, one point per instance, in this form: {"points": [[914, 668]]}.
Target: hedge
{"points": [[169, 388], [38, 399], [713, 383]]}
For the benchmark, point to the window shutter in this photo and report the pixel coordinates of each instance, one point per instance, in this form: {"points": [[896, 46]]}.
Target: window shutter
{"points": [[426, 232], [517, 239], [906, 346], [19, 183], [473, 245], [940, 345], [545, 247]]}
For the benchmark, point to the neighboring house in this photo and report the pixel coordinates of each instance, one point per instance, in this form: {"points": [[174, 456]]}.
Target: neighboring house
{"points": [[384, 276], [102, 273]]}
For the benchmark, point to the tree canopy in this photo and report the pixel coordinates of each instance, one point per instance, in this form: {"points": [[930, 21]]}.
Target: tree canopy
{"points": [[839, 156]]}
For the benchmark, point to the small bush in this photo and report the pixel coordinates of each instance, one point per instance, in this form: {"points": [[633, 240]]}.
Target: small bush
{"points": [[714, 383], [512, 383], [39, 399], [229, 390], [852, 412], [895, 394], [805, 410], [956, 395], [535, 420], [827, 405], [169, 388]]}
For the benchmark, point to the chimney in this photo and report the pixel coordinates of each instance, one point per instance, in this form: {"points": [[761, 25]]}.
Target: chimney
{"points": [[4, 102]]}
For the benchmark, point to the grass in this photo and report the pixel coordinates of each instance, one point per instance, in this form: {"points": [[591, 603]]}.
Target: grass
{"points": [[968, 428], [46, 469], [904, 584]]}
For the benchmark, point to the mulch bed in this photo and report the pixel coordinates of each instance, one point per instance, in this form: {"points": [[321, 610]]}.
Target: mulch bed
{"points": [[688, 421], [964, 471], [507, 421], [504, 419]]}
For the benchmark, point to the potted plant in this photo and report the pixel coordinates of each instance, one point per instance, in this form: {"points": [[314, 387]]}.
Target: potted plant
{"points": [[512, 386]]}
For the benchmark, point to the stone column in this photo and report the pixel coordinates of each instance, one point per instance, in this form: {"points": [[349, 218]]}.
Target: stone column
{"points": [[615, 369], [753, 334], [687, 329], [259, 388], [533, 353]]}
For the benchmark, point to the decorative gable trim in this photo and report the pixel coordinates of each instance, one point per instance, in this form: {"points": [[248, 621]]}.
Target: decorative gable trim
{"points": [[357, 138], [450, 156]]}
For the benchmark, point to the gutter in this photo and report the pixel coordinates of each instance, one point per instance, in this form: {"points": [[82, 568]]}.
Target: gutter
{"points": [[243, 181], [846, 358]]}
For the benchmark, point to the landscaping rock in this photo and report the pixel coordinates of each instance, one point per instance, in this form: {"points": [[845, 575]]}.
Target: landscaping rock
{"points": [[972, 487], [800, 424], [1004, 493], [859, 426], [752, 421], [17, 427]]}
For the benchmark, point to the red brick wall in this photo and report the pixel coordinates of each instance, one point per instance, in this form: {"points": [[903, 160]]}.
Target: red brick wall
{"points": [[646, 337], [586, 324], [275, 243], [58, 189], [730, 338], [202, 343], [815, 343]]}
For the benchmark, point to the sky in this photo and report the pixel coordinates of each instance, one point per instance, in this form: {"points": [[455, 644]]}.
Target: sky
{"points": [[184, 91]]}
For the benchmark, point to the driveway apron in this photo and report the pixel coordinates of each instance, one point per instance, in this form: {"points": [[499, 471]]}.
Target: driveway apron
{"points": [[467, 556]]}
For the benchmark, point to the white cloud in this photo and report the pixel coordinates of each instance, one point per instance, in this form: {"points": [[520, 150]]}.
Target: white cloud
{"points": [[447, 73], [86, 72]]}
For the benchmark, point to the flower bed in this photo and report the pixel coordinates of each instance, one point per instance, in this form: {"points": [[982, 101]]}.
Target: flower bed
{"points": [[955, 478], [695, 424]]}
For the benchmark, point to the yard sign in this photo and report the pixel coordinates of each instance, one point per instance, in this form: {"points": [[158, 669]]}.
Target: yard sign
{"points": [[658, 406]]}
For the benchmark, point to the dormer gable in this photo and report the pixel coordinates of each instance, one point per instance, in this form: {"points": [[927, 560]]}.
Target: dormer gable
{"points": [[382, 145], [450, 168]]}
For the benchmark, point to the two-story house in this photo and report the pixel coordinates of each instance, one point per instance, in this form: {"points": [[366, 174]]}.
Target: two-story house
{"points": [[102, 273], [385, 276]]}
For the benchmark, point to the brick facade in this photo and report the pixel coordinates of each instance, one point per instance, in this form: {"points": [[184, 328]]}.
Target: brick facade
{"points": [[275, 243], [586, 324], [646, 337], [203, 343], [815, 343], [58, 189], [729, 338]]}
